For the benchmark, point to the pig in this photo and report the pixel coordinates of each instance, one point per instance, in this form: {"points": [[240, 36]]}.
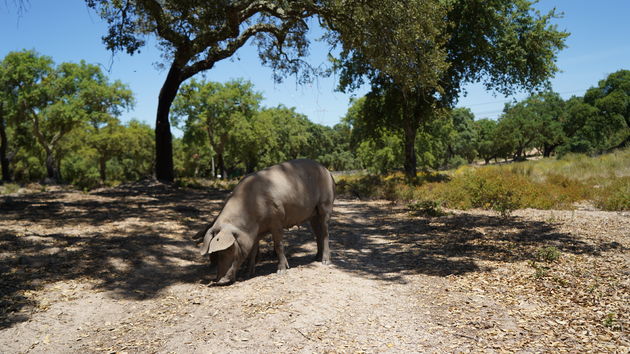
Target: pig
{"points": [[269, 201]]}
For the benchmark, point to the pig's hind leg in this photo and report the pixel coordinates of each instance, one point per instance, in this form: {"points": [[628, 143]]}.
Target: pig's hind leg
{"points": [[319, 223]]}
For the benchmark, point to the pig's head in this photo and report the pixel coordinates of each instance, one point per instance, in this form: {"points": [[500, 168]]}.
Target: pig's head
{"points": [[222, 244]]}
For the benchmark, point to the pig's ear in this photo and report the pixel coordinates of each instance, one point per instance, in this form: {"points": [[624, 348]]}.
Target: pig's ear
{"points": [[207, 239], [221, 241]]}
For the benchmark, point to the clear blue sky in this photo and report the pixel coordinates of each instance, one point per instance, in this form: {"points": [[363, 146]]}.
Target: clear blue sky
{"points": [[67, 30]]}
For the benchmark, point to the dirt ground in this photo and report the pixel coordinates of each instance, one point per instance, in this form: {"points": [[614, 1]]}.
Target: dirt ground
{"points": [[116, 270]]}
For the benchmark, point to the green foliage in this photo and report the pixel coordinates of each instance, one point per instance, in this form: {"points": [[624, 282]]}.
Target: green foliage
{"points": [[513, 47], [9, 188], [541, 271], [612, 98], [616, 195], [427, 208], [548, 254], [611, 320], [109, 155], [223, 124], [495, 189], [463, 140], [81, 170], [381, 155], [544, 184], [49, 102], [488, 141]]}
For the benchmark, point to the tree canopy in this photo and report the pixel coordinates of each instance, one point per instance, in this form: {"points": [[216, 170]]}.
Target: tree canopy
{"points": [[194, 35], [50, 101], [506, 44]]}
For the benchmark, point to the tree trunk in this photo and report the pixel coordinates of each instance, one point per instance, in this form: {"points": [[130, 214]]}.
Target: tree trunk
{"points": [[548, 149], [221, 166], [410, 149], [4, 161], [214, 172], [102, 169], [163, 136], [52, 167]]}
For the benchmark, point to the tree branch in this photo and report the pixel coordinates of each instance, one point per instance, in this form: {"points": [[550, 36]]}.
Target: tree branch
{"points": [[163, 29], [232, 46]]}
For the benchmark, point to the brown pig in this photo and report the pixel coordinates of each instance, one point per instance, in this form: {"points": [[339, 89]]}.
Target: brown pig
{"points": [[269, 201]]}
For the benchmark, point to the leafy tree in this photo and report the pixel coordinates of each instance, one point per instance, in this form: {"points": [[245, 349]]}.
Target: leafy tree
{"points": [[332, 147], [115, 152], [52, 101], [136, 160], [506, 44], [115, 141], [74, 95], [581, 127], [550, 110], [432, 144], [520, 128], [22, 77], [194, 36], [214, 108], [612, 98], [382, 154], [463, 139], [4, 141], [253, 142], [536, 122], [487, 139], [320, 141], [292, 130]]}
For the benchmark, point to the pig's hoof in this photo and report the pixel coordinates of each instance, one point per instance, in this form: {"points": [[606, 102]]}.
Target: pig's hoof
{"points": [[281, 271], [223, 282], [326, 262]]}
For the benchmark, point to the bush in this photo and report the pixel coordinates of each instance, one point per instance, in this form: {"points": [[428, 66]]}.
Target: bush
{"points": [[548, 254], [544, 184], [427, 208], [496, 189], [80, 171], [9, 188], [615, 196]]}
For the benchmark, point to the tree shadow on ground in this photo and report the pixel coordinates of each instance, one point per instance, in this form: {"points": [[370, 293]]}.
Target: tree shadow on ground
{"points": [[386, 244], [122, 240]]}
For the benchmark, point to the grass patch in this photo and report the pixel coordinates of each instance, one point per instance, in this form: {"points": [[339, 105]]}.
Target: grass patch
{"points": [[543, 184], [426, 208], [548, 254], [9, 188], [200, 183], [615, 195]]}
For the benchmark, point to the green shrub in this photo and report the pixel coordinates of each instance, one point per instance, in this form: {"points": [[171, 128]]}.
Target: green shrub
{"points": [[360, 186], [80, 171], [427, 208], [615, 196], [542, 184], [9, 188], [548, 254]]}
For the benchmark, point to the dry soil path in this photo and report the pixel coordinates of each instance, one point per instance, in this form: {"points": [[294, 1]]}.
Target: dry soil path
{"points": [[116, 271]]}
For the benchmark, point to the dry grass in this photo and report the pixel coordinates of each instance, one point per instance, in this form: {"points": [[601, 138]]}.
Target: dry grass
{"points": [[543, 184]]}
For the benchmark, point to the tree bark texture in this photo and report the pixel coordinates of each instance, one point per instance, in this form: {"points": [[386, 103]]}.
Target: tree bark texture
{"points": [[4, 161], [163, 136], [410, 129]]}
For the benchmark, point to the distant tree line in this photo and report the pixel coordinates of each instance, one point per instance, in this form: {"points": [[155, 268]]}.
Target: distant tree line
{"points": [[595, 123], [61, 123], [228, 133], [417, 54]]}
